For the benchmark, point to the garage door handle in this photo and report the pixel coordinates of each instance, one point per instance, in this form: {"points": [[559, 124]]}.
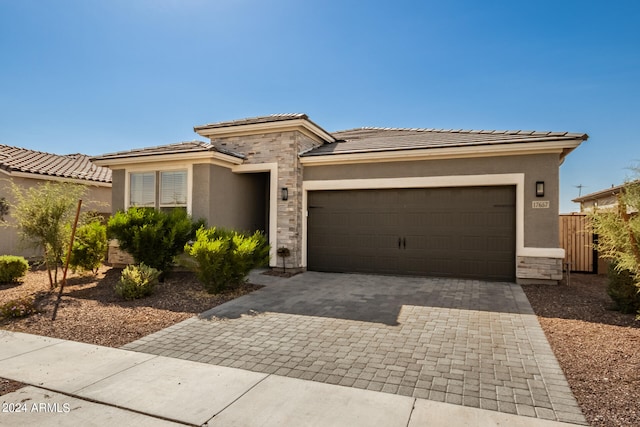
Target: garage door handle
{"points": [[399, 242], [404, 242]]}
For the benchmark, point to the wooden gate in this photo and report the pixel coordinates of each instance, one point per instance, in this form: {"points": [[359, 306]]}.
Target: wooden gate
{"points": [[577, 241]]}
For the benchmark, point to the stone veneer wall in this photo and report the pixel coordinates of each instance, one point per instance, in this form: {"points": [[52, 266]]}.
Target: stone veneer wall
{"points": [[537, 269], [117, 257], [282, 148]]}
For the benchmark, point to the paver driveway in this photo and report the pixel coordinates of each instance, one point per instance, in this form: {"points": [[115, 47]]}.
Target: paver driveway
{"points": [[465, 342]]}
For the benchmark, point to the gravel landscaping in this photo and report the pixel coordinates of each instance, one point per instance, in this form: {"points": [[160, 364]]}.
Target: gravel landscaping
{"points": [[596, 347]]}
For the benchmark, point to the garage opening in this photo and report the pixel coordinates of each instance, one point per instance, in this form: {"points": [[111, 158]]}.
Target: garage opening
{"points": [[466, 232]]}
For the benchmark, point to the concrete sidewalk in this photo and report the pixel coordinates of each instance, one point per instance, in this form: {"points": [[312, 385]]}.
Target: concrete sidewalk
{"points": [[73, 383]]}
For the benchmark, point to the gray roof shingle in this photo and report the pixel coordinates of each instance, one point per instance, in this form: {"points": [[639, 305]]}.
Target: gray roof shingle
{"points": [[76, 166], [372, 139], [177, 148]]}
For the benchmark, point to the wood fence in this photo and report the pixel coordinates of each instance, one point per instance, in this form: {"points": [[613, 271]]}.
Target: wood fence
{"points": [[577, 241]]}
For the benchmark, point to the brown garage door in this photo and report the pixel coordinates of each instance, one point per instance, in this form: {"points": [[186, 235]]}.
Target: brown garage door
{"points": [[458, 232]]}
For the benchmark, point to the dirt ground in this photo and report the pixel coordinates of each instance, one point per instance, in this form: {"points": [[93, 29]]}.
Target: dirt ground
{"points": [[598, 349]]}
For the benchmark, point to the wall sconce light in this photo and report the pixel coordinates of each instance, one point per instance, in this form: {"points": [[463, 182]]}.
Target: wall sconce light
{"points": [[285, 193], [539, 188]]}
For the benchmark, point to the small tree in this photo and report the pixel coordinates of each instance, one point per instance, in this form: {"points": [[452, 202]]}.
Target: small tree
{"points": [[42, 215], [618, 231]]}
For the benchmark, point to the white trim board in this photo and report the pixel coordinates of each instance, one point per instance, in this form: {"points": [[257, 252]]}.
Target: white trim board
{"points": [[516, 179]]}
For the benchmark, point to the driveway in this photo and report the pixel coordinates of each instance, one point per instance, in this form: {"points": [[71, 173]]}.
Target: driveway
{"points": [[465, 342]]}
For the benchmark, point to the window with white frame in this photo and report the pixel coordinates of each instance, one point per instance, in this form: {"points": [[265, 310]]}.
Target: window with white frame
{"points": [[158, 189]]}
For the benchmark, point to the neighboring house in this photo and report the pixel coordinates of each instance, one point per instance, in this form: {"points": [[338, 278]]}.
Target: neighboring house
{"points": [[27, 168], [477, 204], [603, 199]]}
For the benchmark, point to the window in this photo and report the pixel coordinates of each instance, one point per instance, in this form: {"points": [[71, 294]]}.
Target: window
{"points": [[163, 189], [173, 188], [143, 189]]}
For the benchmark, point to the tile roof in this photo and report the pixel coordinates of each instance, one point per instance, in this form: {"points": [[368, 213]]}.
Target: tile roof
{"points": [[254, 120], [76, 166], [177, 148], [373, 139]]}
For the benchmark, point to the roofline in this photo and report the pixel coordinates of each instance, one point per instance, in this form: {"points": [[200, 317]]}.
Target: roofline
{"points": [[47, 177], [199, 155], [302, 124], [607, 192], [539, 134], [394, 155]]}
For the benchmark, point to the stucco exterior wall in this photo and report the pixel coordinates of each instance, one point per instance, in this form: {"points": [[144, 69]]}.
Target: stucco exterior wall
{"points": [[118, 177], [227, 199], [96, 199], [540, 225]]}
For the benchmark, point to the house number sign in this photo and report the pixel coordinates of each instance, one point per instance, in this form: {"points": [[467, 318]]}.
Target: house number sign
{"points": [[540, 204]]}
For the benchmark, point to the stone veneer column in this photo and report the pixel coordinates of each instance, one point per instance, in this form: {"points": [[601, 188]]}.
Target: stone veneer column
{"points": [[538, 270]]}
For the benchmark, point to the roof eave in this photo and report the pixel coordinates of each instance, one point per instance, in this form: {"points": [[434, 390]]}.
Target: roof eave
{"points": [[141, 158], [47, 177], [440, 153], [306, 126]]}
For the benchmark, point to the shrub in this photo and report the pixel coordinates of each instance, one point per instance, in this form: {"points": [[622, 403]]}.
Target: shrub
{"points": [[89, 247], [225, 257], [151, 236], [137, 281], [12, 268], [19, 307], [623, 290]]}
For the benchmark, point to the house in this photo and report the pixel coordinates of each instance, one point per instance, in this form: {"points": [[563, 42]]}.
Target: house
{"points": [[460, 203], [603, 199], [27, 168]]}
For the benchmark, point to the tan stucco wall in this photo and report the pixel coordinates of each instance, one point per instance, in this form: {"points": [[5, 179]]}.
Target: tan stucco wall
{"points": [[96, 198], [540, 225], [118, 177], [229, 200]]}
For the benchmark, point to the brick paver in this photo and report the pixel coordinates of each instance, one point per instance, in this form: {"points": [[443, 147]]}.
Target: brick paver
{"points": [[465, 342]]}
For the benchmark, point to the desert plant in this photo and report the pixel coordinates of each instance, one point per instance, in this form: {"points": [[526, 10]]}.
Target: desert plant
{"points": [[623, 290], [19, 307], [223, 258], [43, 214], [618, 233], [12, 268], [151, 236], [89, 247], [137, 281], [4, 208]]}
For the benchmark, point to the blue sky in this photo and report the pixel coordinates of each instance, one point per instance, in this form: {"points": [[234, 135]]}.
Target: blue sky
{"points": [[100, 76]]}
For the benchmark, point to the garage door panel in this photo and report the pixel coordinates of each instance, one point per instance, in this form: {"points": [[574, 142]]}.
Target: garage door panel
{"points": [[459, 232]]}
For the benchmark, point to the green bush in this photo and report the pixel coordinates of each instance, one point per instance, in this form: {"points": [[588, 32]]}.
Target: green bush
{"points": [[89, 247], [12, 268], [151, 236], [137, 281], [623, 290], [225, 257], [20, 307]]}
